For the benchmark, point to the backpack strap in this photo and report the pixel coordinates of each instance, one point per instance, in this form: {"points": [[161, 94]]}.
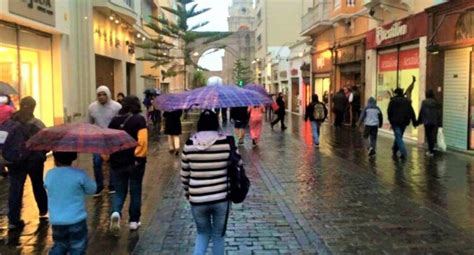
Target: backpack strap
{"points": [[122, 126]]}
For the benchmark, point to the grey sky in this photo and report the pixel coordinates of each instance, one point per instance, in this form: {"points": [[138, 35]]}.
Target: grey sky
{"points": [[217, 18]]}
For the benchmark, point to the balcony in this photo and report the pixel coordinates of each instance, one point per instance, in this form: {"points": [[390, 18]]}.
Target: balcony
{"points": [[316, 20]]}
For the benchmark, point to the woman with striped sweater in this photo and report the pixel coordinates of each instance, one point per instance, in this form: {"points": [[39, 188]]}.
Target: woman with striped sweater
{"points": [[204, 176]]}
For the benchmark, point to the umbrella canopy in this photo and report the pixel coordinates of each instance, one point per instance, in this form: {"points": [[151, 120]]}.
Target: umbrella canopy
{"points": [[257, 88], [7, 89], [81, 137], [213, 96]]}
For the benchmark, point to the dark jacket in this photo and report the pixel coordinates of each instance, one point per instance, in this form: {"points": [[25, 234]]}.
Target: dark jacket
{"points": [[430, 113], [310, 112], [400, 112], [173, 122], [133, 126], [281, 106], [356, 103], [30, 126], [340, 101], [239, 114]]}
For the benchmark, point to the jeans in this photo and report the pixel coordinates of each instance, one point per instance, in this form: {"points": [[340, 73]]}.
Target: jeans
{"points": [[281, 117], [99, 175], [125, 178], [316, 127], [210, 220], [398, 144], [431, 132], [371, 133], [17, 178], [69, 239]]}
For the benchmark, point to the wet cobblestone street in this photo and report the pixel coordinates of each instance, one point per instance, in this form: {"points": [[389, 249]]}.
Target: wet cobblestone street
{"points": [[303, 200]]}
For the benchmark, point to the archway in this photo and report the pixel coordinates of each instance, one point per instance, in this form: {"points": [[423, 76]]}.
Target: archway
{"points": [[214, 80]]}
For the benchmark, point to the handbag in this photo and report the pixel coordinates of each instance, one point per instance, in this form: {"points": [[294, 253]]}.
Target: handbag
{"points": [[275, 106]]}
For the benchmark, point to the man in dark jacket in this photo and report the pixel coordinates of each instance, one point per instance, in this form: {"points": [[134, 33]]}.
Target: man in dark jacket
{"points": [[355, 105], [280, 112], [400, 113], [316, 112], [430, 117], [32, 166], [340, 104]]}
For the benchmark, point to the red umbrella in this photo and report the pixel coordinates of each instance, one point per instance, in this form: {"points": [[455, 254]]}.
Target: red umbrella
{"points": [[81, 137]]}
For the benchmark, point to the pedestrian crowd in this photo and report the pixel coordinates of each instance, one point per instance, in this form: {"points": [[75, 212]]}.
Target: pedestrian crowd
{"points": [[211, 167]]}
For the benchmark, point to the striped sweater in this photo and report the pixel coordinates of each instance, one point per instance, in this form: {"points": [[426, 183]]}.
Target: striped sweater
{"points": [[204, 168]]}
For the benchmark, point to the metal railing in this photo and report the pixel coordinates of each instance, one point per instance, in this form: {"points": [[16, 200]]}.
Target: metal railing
{"points": [[315, 15]]}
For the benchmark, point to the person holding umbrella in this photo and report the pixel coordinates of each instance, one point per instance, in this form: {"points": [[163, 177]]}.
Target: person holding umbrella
{"points": [[101, 113], [129, 165], [173, 130]]}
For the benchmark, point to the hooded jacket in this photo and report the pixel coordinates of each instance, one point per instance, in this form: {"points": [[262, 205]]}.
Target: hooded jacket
{"points": [[400, 112], [204, 167], [430, 113], [372, 115], [101, 114]]}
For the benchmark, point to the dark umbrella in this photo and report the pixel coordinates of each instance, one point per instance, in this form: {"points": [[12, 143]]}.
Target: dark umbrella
{"points": [[7, 89], [81, 137]]}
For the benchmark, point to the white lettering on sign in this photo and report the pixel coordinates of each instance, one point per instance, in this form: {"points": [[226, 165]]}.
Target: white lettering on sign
{"points": [[396, 30], [320, 63]]}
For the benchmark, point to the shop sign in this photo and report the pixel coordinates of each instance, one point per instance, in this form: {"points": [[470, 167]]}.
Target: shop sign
{"points": [[322, 62], [294, 72], [283, 74], [40, 10], [407, 59], [397, 29], [350, 54], [401, 31]]}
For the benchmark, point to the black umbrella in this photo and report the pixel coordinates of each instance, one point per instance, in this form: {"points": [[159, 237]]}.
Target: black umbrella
{"points": [[7, 89]]}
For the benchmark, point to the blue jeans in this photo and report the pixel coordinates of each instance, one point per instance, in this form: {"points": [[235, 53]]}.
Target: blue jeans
{"points": [[99, 175], [17, 177], [70, 239], [210, 220], [398, 144], [316, 131], [133, 177]]}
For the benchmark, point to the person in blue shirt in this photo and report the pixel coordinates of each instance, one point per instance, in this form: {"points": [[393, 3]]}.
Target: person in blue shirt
{"points": [[67, 187]]}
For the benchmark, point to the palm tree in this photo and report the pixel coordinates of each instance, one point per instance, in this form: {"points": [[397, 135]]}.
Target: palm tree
{"points": [[176, 57], [199, 79]]}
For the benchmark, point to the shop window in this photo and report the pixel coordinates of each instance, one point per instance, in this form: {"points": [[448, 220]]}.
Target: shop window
{"points": [[465, 26], [129, 3], [26, 65], [351, 3], [396, 69]]}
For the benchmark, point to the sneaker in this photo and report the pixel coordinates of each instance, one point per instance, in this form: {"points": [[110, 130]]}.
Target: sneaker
{"points": [[112, 191], [316, 145], [43, 216], [283, 128], [254, 143], [176, 153], [371, 152], [17, 225], [115, 223], [98, 193], [429, 154], [135, 225]]}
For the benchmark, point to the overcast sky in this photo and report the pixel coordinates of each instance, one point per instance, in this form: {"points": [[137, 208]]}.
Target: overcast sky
{"points": [[217, 18]]}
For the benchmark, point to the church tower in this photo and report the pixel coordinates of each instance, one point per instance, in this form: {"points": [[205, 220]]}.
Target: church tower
{"points": [[241, 15]]}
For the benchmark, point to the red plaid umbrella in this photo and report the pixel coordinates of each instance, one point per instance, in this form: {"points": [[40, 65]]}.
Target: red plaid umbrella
{"points": [[81, 137]]}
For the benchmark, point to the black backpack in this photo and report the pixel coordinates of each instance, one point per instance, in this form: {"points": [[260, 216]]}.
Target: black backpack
{"points": [[239, 183]]}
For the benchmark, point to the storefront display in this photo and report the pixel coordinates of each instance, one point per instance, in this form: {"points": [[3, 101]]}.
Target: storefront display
{"points": [[26, 65]]}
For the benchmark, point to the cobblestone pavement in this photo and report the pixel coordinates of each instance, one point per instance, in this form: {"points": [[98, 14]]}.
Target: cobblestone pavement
{"points": [[303, 200]]}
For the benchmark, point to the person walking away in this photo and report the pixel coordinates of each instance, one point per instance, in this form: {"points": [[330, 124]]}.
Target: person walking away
{"points": [[400, 113], [224, 116], [173, 129], [206, 183], [355, 105], [280, 112], [239, 116], [129, 165], [430, 117], [372, 118], [67, 189], [31, 164], [101, 113], [256, 122], [316, 112], [340, 104]]}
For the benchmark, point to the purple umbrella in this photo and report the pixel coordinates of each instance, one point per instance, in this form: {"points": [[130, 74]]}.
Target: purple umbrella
{"points": [[215, 96], [258, 88]]}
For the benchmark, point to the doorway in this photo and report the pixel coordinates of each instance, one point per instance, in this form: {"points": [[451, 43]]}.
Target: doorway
{"points": [[471, 105], [130, 82], [104, 72], [295, 95]]}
